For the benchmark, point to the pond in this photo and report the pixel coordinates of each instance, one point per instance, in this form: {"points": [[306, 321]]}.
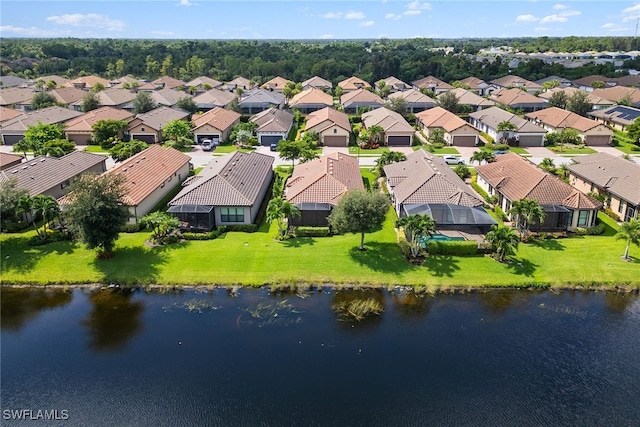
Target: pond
{"points": [[243, 357]]}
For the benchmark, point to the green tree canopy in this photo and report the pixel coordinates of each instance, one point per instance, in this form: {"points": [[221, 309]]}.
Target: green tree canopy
{"points": [[448, 101], [504, 241], [106, 132], [188, 104], [10, 196], [162, 225], [579, 103], [280, 210], [179, 131], [43, 100], [387, 158], [36, 136], [90, 101], [58, 147], [629, 231], [559, 99], [125, 149], [143, 102], [294, 150], [417, 228], [361, 212]]}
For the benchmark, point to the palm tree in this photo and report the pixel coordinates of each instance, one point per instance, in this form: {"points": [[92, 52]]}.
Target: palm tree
{"points": [[548, 165], [48, 208], [504, 241], [376, 133], [563, 172], [279, 210], [629, 231], [505, 126], [525, 212], [417, 228], [480, 156], [387, 158]]}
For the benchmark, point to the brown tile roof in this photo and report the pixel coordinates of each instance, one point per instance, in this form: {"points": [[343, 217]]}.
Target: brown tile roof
{"points": [[86, 121], [276, 83], [474, 83], [43, 173], [240, 82], [330, 117], [317, 82], [360, 95], [15, 95], [324, 180], [146, 171], [115, 97], [214, 98], [88, 82], [68, 95], [49, 115], [353, 83], [158, 118], [518, 178], [413, 96], [231, 180], [396, 84], [202, 81], [515, 81], [7, 159], [588, 80], [432, 83], [615, 174], [311, 96], [514, 97], [273, 120], [467, 97], [389, 120], [9, 113], [559, 118], [438, 117], [219, 118], [617, 93], [493, 116], [593, 99], [168, 97], [425, 178], [164, 82]]}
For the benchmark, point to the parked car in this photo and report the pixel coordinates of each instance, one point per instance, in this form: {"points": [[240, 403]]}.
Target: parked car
{"points": [[453, 160], [207, 145], [498, 152], [274, 146]]}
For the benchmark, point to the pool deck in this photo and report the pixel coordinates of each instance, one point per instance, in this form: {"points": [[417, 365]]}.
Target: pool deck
{"points": [[461, 234]]}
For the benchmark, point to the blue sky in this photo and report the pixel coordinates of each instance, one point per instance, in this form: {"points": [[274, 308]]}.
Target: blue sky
{"points": [[302, 19]]}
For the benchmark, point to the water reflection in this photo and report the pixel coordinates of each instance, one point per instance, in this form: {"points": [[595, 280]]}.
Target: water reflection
{"points": [[618, 302], [412, 305], [498, 301], [114, 318], [19, 306]]}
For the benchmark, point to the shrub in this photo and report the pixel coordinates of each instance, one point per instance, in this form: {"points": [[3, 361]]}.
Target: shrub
{"points": [[52, 236], [479, 189], [452, 247], [312, 232], [500, 213], [611, 214], [501, 147], [131, 228], [487, 138], [403, 244], [591, 231], [243, 228], [205, 236]]}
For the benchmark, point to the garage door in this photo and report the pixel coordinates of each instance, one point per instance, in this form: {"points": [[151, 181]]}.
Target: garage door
{"points": [[395, 141], [335, 141], [270, 139], [530, 140], [598, 140], [11, 139], [464, 140], [149, 139]]}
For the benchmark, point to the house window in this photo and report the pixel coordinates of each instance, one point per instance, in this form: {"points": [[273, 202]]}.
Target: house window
{"points": [[64, 184], [231, 214], [621, 206], [335, 131], [583, 218], [592, 187]]}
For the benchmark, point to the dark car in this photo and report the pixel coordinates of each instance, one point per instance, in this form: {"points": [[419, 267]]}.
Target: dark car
{"points": [[274, 146], [498, 152]]}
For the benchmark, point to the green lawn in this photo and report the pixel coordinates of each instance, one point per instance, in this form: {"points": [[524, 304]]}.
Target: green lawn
{"points": [[517, 150], [224, 149], [95, 149], [368, 152], [624, 144], [368, 176], [572, 150], [257, 259]]}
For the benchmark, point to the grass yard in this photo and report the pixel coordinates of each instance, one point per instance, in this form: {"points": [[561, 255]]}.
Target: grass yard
{"points": [[624, 144], [368, 152], [95, 149], [224, 149], [257, 259], [368, 177], [567, 151]]}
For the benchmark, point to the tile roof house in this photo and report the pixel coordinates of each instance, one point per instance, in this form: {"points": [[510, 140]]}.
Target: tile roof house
{"points": [[147, 127], [52, 176], [352, 84], [87, 82], [168, 97], [479, 86], [11, 81], [360, 98], [397, 131], [273, 125], [276, 84], [165, 82], [150, 175], [215, 124], [213, 98], [9, 160], [416, 100], [563, 82], [118, 98], [315, 187], [617, 116], [13, 130], [57, 80], [67, 96], [597, 102], [229, 190], [619, 93], [318, 83], [238, 83], [9, 113], [332, 126], [470, 98], [203, 84], [556, 119], [512, 177], [526, 133], [16, 98], [616, 178], [456, 131], [394, 83], [310, 100], [433, 84], [517, 99], [127, 82], [510, 81], [256, 100], [80, 129], [425, 184], [585, 83]]}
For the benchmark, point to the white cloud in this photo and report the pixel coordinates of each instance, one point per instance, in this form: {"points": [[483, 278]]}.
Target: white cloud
{"points": [[31, 31], [614, 28], [326, 36], [412, 12], [93, 20], [367, 24], [633, 9], [186, 3], [539, 29], [560, 6], [162, 33], [631, 13], [416, 5], [553, 18], [392, 16], [526, 18], [570, 13], [332, 15], [354, 15]]}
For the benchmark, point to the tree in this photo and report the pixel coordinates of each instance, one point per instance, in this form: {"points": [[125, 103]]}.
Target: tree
{"points": [[383, 89], [525, 212], [234, 105], [579, 103], [90, 102], [598, 84], [178, 131], [106, 132], [143, 102], [387, 158], [570, 136], [462, 171], [291, 89], [36, 136], [548, 165], [97, 211], [294, 150], [633, 131], [125, 149], [243, 137], [559, 99], [97, 87], [550, 85], [482, 155], [43, 100], [58, 147], [280, 210], [504, 241], [397, 104], [188, 104], [505, 127], [417, 228], [376, 134], [10, 196], [629, 231], [162, 225], [436, 136], [625, 100], [361, 212], [47, 208], [448, 101]]}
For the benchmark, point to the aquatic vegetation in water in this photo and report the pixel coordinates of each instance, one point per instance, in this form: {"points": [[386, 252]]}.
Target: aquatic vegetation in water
{"points": [[270, 314], [358, 309], [193, 305]]}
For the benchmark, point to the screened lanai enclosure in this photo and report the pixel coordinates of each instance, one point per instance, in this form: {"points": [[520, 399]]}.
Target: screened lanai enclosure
{"points": [[453, 217], [194, 217], [312, 214]]}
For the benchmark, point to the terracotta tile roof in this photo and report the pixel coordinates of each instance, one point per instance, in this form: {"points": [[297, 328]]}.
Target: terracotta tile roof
{"points": [[15, 95], [115, 97], [493, 116], [593, 99], [164, 82], [68, 95], [317, 82], [559, 118], [360, 96], [615, 174], [168, 97], [148, 170], [219, 118], [353, 83], [158, 118], [617, 93], [474, 83], [88, 82], [518, 178], [8, 158], [49, 115], [86, 121], [438, 117], [389, 120], [467, 97], [239, 82], [586, 81], [425, 178], [58, 80], [273, 120], [514, 97], [118, 83], [43, 173], [276, 83], [311, 96], [262, 96], [9, 113], [413, 96], [432, 83], [204, 80], [324, 180], [214, 98], [328, 117], [396, 84], [231, 180], [515, 81]]}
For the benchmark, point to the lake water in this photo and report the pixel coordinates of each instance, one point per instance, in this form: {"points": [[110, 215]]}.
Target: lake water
{"points": [[194, 358]]}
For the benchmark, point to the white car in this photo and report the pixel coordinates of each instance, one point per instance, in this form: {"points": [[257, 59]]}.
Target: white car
{"points": [[453, 160]]}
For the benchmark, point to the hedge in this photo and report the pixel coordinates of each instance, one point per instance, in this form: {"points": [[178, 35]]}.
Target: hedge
{"points": [[452, 247], [244, 228], [312, 232], [591, 231], [205, 236]]}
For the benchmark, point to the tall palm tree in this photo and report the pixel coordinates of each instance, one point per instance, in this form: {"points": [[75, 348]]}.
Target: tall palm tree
{"points": [[417, 228], [504, 241], [48, 208], [387, 158], [629, 231], [505, 126], [481, 155], [376, 133], [525, 212], [279, 210]]}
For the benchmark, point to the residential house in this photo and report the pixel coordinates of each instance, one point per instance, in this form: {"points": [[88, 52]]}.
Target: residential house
{"points": [[476, 85], [394, 84], [517, 99], [586, 83], [620, 94], [148, 126], [168, 97], [213, 98], [597, 102], [456, 131], [526, 134], [425, 184], [318, 83], [470, 98], [215, 124], [13, 130], [353, 84], [333, 127], [7, 114], [150, 176], [276, 84], [617, 116], [510, 81], [433, 84], [202, 84], [310, 100], [16, 98], [361, 98], [241, 83], [88, 82], [416, 100], [58, 81], [562, 82], [397, 131], [80, 129], [257, 100], [228, 191], [52, 176], [68, 96], [127, 82], [614, 177], [557, 120], [511, 177], [117, 98], [317, 186], [9, 160], [11, 81], [165, 82], [273, 125]]}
